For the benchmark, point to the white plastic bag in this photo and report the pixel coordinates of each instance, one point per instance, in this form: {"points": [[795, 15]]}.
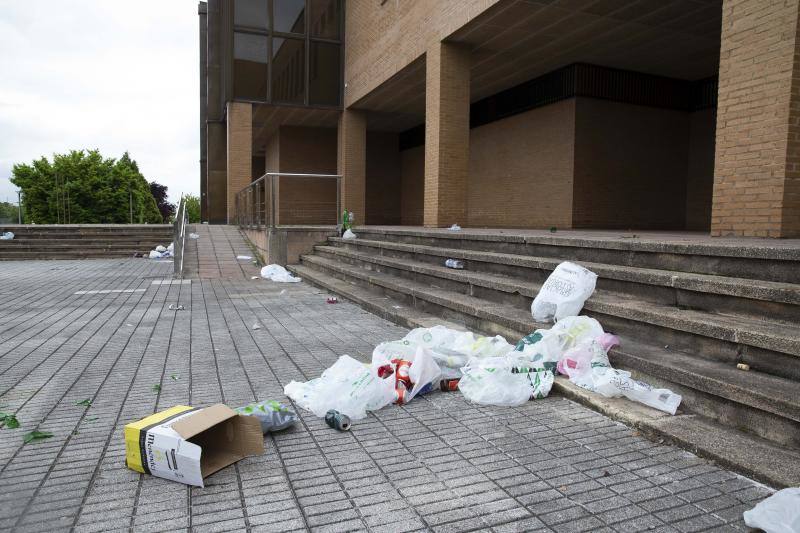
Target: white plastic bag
{"points": [[780, 513], [278, 273], [544, 347], [423, 372], [160, 249], [7, 236], [563, 293], [349, 386], [349, 235], [154, 255], [194, 236], [498, 381]]}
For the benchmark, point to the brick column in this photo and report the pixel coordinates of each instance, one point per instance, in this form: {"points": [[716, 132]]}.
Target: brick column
{"points": [[240, 151], [352, 161], [757, 168], [446, 134]]}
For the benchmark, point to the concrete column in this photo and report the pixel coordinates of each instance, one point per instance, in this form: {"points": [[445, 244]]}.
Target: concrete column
{"points": [[757, 166], [446, 134], [240, 151], [352, 161]]}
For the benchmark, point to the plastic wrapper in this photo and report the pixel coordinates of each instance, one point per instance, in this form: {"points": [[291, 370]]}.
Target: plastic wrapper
{"points": [[563, 293]]}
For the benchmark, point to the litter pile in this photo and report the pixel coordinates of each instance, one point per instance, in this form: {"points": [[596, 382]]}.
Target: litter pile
{"points": [[7, 236], [279, 274], [487, 370], [161, 252]]}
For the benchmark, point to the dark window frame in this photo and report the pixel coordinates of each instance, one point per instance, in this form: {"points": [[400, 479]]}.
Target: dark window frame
{"points": [[271, 34]]}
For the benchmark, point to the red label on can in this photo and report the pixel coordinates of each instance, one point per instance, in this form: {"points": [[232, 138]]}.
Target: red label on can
{"points": [[449, 385]]}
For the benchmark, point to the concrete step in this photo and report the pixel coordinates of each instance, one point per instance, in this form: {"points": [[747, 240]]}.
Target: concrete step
{"points": [[775, 262], [768, 347], [721, 294], [749, 454]]}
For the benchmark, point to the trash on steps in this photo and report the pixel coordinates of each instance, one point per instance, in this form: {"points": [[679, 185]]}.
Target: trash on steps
{"points": [[160, 249], [454, 263], [455, 227], [780, 513], [563, 293], [160, 252], [337, 420], [545, 347], [7, 236], [743, 366], [414, 373], [272, 415], [255, 277], [348, 234], [278, 273], [169, 444], [499, 381], [244, 257]]}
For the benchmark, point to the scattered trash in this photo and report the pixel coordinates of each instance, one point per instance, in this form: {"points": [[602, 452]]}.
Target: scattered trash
{"points": [[348, 234], [337, 420], [454, 263], [279, 274], [455, 227], [553, 229], [194, 236], [449, 385], [544, 347], [160, 252], [347, 221], [349, 386], [156, 388], [563, 293], [7, 236], [414, 373], [86, 403], [498, 381], [9, 421], [174, 377], [780, 513], [36, 436], [169, 444], [255, 277], [244, 257], [256, 326], [743, 366], [272, 416], [176, 307], [332, 300]]}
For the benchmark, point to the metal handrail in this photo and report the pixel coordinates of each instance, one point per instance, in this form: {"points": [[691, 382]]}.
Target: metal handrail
{"points": [[179, 238], [251, 202]]}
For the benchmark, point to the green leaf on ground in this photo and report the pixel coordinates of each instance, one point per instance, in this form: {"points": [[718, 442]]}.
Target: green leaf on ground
{"points": [[87, 402], [156, 388], [36, 435], [9, 421]]}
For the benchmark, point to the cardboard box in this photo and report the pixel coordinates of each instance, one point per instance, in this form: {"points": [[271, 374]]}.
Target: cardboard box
{"points": [[188, 444]]}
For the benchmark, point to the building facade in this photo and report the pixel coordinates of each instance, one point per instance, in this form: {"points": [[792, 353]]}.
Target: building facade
{"points": [[645, 114]]}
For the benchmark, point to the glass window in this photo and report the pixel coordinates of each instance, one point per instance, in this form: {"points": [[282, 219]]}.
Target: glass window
{"points": [[289, 16], [288, 70], [323, 74], [324, 18], [250, 57], [251, 13]]}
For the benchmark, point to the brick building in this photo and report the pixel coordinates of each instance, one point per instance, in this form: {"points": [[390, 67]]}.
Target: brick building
{"points": [[642, 114]]}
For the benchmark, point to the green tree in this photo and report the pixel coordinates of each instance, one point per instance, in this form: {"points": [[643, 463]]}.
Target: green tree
{"points": [[166, 209], [192, 208], [8, 213], [83, 187]]}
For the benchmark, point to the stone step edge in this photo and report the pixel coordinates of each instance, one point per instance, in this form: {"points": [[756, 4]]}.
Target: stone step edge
{"points": [[704, 325], [640, 244], [733, 449], [756, 400], [724, 285]]}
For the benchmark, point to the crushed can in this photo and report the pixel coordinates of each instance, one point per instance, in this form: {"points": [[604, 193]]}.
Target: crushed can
{"points": [[337, 420], [449, 385]]}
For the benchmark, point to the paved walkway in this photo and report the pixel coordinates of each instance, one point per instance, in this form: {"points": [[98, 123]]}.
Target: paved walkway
{"points": [[438, 463]]}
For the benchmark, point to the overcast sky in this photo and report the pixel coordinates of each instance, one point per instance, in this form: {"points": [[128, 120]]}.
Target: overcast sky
{"points": [[106, 74]]}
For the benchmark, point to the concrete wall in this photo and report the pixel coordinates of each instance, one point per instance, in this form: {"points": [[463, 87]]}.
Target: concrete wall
{"points": [[630, 166], [383, 194], [520, 169]]}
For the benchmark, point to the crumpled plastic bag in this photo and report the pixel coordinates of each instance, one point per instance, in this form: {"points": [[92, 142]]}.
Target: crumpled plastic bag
{"points": [[7, 236], [349, 235], [349, 386], [500, 381], [563, 293], [194, 236], [587, 366], [780, 513], [161, 252], [274, 416], [544, 347], [279, 274], [423, 372]]}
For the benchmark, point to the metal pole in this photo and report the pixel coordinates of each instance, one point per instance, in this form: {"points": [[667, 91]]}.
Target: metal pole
{"points": [[338, 201], [19, 207], [130, 203]]}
